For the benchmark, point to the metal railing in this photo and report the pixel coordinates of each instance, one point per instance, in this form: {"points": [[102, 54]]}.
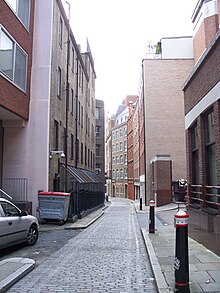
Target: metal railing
{"points": [[204, 195], [14, 187]]}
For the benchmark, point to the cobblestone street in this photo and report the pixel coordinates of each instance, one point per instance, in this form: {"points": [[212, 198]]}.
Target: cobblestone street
{"points": [[109, 256]]}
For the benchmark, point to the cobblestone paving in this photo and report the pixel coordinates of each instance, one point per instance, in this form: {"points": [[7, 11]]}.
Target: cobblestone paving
{"points": [[109, 257]]}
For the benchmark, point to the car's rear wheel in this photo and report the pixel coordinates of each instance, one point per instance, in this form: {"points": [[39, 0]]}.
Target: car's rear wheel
{"points": [[32, 235]]}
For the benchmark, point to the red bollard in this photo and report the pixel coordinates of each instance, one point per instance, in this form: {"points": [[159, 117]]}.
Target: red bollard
{"points": [[152, 217], [181, 260]]}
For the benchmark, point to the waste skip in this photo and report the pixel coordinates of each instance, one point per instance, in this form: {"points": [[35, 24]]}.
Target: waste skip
{"points": [[53, 206]]}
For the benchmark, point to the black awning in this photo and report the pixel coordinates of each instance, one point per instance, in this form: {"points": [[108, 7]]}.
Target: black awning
{"points": [[82, 175]]}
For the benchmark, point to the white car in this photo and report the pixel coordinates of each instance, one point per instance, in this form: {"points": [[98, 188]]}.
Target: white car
{"points": [[16, 226]]}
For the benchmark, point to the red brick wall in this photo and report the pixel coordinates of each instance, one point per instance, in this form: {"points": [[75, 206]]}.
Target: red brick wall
{"points": [[204, 35], [12, 98], [204, 79]]}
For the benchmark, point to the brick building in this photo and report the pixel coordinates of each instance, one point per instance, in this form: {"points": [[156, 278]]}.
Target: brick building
{"points": [[163, 110], [118, 147], [16, 61], [202, 109], [47, 116]]}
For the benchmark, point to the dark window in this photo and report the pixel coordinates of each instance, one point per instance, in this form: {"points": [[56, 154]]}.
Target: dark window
{"points": [[98, 152], [72, 149], [81, 153], [97, 131], [22, 10], [85, 155], [73, 60], [60, 36], [210, 153], [56, 135], [97, 113], [195, 155], [59, 82]]}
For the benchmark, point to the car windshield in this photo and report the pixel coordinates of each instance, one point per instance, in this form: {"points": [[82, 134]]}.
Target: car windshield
{"points": [[9, 209]]}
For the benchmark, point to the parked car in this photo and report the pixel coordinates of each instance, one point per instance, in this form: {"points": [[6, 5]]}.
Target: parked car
{"points": [[16, 226]]}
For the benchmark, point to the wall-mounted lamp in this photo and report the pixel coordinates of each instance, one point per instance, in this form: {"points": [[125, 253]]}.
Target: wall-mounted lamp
{"points": [[61, 153]]}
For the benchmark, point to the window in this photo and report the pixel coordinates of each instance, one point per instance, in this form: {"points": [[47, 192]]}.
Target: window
{"points": [[82, 116], [113, 160], [71, 148], [121, 133], [121, 146], [121, 159], [71, 101], [98, 153], [64, 140], [195, 155], [117, 174], [79, 109], [73, 61], [116, 147], [88, 157], [116, 134], [126, 173], [97, 131], [60, 32], [77, 150], [113, 174], [210, 149], [125, 159], [13, 60], [59, 82], [85, 155], [125, 145], [121, 173], [81, 153], [22, 10], [97, 113], [117, 160], [56, 135]]}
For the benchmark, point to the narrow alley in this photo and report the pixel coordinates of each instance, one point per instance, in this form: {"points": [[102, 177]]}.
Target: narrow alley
{"points": [[109, 256]]}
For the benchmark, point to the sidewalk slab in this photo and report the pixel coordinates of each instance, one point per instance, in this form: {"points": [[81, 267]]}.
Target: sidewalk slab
{"points": [[13, 269], [204, 265]]}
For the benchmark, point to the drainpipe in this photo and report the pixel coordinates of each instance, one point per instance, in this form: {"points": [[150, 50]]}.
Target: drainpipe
{"points": [[76, 119], [144, 116], [67, 98]]}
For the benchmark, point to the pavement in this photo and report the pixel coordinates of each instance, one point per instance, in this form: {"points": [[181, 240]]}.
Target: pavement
{"points": [[204, 265]]}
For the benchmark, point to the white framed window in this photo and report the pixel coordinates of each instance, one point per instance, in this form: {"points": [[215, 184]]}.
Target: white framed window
{"points": [[97, 113], [13, 60], [22, 9], [121, 146]]}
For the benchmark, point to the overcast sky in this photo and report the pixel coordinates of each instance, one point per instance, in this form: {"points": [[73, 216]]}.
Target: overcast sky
{"points": [[119, 32]]}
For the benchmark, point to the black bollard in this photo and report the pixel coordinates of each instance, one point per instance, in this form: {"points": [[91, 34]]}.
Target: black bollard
{"points": [[152, 217], [141, 203], [181, 260]]}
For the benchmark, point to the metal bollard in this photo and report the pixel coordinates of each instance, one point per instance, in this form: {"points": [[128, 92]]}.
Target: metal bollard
{"points": [[152, 217], [181, 260], [141, 203]]}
